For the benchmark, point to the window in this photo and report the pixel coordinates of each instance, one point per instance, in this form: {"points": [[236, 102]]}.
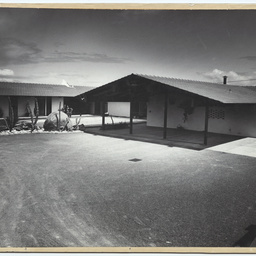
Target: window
{"points": [[41, 105]]}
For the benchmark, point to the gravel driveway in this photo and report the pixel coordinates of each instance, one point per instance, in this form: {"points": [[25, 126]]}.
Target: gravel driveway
{"points": [[84, 190]]}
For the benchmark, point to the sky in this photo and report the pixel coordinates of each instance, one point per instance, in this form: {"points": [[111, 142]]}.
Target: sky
{"points": [[95, 47]]}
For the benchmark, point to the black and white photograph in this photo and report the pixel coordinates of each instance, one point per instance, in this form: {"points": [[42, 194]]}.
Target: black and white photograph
{"points": [[127, 128]]}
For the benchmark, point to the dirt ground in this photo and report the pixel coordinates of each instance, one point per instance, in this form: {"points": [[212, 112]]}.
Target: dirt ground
{"points": [[84, 190]]}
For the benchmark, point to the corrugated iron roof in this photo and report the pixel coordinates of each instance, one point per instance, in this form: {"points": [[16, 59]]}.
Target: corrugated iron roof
{"points": [[47, 90], [253, 88], [229, 94]]}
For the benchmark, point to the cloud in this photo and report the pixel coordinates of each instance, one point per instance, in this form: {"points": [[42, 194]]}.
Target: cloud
{"points": [[6, 72], [82, 57], [251, 58], [7, 75], [233, 77], [45, 77], [14, 51], [2, 79]]}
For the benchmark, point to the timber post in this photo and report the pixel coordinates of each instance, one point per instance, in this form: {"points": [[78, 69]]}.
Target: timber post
{"points": [[131, 116], [103, 115], [165, 114], [59, 116], [206, 122]]}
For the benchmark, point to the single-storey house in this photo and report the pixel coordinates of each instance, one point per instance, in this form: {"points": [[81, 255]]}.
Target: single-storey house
{"points": [[49, 96], [183, 104]]}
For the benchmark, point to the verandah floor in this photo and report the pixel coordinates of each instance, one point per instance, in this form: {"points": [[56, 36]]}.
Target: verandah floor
{"points": [[175, 137]]}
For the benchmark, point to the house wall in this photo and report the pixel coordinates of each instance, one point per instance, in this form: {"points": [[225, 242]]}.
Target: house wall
{"points": [[237, 120], [4, 105], [119, 108], [226, 119], [155, 114], [92, 108], [55, 103], [22, 102], [175, 117]]}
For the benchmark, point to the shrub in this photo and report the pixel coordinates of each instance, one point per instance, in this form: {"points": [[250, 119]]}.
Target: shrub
{"points": [[36, 111], [11, 118]]}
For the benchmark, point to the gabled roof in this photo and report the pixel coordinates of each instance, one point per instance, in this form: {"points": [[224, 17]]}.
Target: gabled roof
{"points": [[47, 90], [224, 93], [253, 88]]}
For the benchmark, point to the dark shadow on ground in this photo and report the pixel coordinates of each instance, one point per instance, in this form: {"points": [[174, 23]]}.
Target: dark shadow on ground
{"points": [[175, 137], [247, 239]]}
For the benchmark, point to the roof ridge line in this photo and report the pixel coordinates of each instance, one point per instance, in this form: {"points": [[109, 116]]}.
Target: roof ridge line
{"points": [[29, 83], [186, 80]]}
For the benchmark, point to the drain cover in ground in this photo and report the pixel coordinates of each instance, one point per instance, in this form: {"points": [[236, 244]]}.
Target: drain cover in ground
{"points": [[135, 160]]}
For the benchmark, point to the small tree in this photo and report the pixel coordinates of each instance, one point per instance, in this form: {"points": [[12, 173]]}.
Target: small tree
{"points": [[36, 111], [11, 119], [76, 126], [67, 110], [188, 108]]}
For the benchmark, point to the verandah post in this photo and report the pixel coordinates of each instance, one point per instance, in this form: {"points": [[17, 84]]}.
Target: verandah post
{"points": [[131, 116], [165, 114], [206, 121], [103, 114], [59, 116]]}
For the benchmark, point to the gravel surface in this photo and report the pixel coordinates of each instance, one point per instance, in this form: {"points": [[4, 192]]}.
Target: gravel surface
{"points": [[77, 189]]}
